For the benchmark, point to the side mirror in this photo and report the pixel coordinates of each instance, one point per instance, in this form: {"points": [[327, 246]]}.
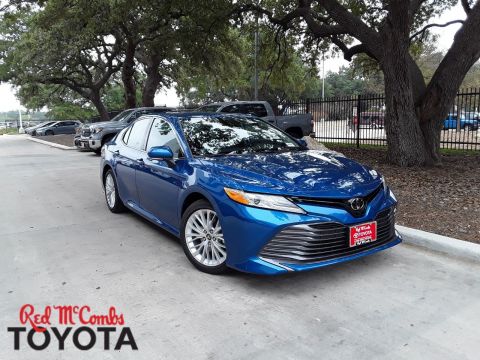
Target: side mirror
{"points": [[302, 143], [160, 153]]}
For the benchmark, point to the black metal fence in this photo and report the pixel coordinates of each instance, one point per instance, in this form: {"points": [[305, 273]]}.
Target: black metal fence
{"points": [[360, 120]]}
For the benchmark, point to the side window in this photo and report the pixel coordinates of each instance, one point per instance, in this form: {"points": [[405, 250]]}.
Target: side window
{"points": [[137, 134], [231, 109], [258, 110], [162, 134], [253, 109]]}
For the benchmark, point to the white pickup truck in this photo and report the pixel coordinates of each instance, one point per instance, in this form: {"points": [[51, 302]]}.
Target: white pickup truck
{"points": [[296, 125]]}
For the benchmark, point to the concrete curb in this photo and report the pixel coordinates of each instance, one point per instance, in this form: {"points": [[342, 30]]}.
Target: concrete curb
{"points": [[58, 146], [439, 243]]}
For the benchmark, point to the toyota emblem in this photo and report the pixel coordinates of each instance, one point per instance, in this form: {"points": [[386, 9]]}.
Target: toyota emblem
{"points": [[356, 204]]}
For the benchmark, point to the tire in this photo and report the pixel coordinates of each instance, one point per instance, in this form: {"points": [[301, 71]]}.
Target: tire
{"points": [[48, 132], [202, 238], [114, 203], [468, 127], [105, 139]]}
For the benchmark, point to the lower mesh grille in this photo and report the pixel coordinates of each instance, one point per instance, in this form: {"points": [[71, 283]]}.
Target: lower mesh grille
{"points": [[301, 244]]}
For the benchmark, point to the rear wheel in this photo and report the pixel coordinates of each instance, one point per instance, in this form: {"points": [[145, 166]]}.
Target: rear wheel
{"points": [[114, 202], [202, 238], [468, 127]]}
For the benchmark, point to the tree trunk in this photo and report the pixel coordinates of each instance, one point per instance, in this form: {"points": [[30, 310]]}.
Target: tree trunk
{"points": [[406, 145], [128, 76], [404, 136], [152, 81], [96, 100]]}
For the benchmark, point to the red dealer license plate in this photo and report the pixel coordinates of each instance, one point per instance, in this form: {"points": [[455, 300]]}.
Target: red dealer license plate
{"points": [[363, 233]]}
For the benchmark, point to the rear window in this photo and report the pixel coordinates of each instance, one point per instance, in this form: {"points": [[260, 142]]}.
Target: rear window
{"points": [[258, 110]]}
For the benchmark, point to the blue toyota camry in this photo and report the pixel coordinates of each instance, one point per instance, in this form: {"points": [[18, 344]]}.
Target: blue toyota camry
{"points": [[240, 193]]}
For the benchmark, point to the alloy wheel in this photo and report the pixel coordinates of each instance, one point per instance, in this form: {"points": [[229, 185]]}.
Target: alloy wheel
{"points": [[204, 238], [110, 190]]}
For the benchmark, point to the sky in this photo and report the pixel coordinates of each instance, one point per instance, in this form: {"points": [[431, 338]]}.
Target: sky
{"points": [[169, 97]]}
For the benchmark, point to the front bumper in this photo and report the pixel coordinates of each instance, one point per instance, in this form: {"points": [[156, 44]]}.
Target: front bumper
{"points": [[250, 235], [88, 144]]}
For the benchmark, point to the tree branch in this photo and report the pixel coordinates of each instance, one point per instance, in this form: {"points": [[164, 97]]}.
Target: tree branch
{"points": [[466, 6], [349, 52], [446, 80], [414, 6], [354, 26], [435, 25]]}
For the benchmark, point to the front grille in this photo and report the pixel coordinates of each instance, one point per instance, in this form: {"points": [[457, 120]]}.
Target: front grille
{"points": [[86, 132], [303, 244], [339, 203]]}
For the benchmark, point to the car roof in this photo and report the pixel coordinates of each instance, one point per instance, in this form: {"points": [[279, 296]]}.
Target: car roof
{"points": [[152, 108], [234, 103], [189, 114]]}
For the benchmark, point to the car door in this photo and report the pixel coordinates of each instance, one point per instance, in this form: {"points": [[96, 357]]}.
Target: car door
{"points": [[60, 128], [68, 127], [451, 122], [129, 157], [159, 182]]}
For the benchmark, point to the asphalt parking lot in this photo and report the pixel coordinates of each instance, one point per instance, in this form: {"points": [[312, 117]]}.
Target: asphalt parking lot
{"points": [[60, 245]]}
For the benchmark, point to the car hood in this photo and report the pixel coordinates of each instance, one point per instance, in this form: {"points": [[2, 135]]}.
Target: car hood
{"points": [[309, 173]]}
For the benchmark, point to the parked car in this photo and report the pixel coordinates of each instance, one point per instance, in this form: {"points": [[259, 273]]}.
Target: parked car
{"points": [[94, 136], [241, 193], [475, 115], [59, 127], [296, 125], [32, 130], [468, 124], [369, 119]]}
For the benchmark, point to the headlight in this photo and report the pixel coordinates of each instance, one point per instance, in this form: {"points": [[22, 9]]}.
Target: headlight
{"points": [[392, 195], [271, 202], [96, 130], [384, 184]]}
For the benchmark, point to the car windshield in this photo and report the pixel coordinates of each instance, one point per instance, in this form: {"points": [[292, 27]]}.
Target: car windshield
{"points": [[122, 115], [209, 108], [233, 134]]}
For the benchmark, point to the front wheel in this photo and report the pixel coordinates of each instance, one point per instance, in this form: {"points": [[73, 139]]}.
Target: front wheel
{"points": [[114, 202], [49, 132], [202, 238]]}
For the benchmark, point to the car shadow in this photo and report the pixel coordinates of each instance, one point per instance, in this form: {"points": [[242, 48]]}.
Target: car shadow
{"points": [[302, 281]]}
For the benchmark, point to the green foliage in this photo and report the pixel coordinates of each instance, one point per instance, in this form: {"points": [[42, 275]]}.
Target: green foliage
{"points": [[229, 75]]}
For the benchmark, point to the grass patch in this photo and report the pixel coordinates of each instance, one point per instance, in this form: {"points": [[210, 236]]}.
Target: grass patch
{"points": [[8, 131]]}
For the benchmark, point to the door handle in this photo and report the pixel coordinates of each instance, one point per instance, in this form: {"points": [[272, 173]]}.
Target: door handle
{"points": [[116, 152], [141, 160]]}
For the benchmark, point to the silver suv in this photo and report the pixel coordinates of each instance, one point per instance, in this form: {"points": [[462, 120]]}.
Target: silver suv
{"points": [[94, 136]]}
